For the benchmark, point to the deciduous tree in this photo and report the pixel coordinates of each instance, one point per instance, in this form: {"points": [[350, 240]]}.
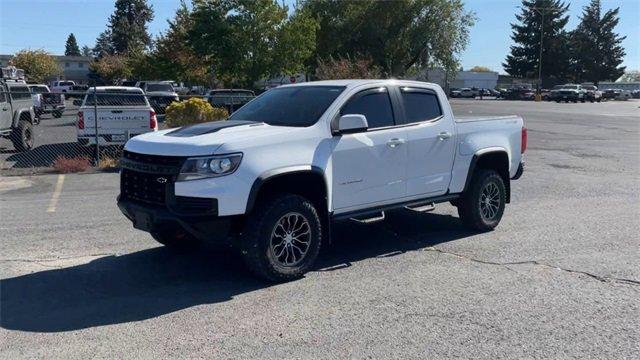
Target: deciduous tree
{"points": [[38, 65], [480, 69], [398, 36], [173, 57], [111, 67], [247, 40]]}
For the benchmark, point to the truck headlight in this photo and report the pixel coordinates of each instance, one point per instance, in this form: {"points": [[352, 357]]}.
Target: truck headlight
{"points": [[209, 166]]}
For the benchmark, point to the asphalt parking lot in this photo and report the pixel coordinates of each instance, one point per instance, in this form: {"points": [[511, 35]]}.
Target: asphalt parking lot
{"points": [[559, 278]]}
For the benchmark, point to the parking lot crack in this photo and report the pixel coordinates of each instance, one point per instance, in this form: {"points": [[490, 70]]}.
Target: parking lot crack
{"points": [[48, 261], [604, 279], [507, 265]]}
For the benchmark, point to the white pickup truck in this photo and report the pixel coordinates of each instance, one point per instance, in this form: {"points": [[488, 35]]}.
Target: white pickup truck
{"points": [[123, 112], [274, 176], [62, 86]]}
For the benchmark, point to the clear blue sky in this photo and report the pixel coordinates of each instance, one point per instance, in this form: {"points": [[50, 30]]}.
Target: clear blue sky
{"points": [[47, 23]]}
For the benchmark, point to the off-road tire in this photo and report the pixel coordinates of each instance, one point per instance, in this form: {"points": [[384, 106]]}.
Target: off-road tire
{"points": [[255, 240], [22, 136], [469, 208]]}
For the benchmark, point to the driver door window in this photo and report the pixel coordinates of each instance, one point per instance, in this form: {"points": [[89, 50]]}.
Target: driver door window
{"points": [[369, 167], [375, 105]]}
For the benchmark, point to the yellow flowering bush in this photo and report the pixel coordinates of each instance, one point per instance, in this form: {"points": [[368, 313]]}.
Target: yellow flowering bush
{"points": [[193, 111]]}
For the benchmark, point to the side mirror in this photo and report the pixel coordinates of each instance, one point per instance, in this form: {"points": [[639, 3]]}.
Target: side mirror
{"points": [[77, 102], [352, 123]]}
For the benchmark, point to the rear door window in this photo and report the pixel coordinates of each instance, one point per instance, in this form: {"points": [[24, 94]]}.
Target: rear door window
{"points": [[375, 105], [20, 92], [420, 105]]}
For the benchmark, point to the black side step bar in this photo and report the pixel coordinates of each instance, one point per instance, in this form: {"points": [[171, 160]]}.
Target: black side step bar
{"points": [[411, 205]]}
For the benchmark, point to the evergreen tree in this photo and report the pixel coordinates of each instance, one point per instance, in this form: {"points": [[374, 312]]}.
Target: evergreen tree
{"points": [[523, 61], [71, 48], [128, 25], [597, 48], [104, 44], [86, 51]]}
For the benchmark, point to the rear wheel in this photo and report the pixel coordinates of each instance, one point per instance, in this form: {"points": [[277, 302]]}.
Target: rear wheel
{"points": [[22, 136], [482, 205], [282, 238]]}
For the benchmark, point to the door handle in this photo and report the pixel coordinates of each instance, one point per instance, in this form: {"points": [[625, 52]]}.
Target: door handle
{"points": [[392, 143], [5, 109], [444, 135]]}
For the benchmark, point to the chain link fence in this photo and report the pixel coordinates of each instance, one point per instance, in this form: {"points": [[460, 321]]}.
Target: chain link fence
{"points": [[45, 132]]}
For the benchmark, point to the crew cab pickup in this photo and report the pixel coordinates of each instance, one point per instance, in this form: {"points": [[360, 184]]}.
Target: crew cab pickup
{"points": [[568, 92], [122, 113], [16, 109], [273, 177], [160, 95], [46, 102]]}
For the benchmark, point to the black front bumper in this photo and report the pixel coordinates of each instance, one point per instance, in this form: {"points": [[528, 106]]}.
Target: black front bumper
{"points": [[156, 219]]}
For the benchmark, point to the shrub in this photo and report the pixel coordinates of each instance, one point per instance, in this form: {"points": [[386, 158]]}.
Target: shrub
{"points": [[193, 111], [107, 163], [70, 165]]}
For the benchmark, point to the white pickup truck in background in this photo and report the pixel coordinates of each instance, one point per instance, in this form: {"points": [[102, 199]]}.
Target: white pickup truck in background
{"points": [[273, 177], [62, 86], [123, 112]]}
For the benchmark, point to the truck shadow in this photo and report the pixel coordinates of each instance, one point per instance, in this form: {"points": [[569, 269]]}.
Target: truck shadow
{"points": [[44, 155], [154, 282]]}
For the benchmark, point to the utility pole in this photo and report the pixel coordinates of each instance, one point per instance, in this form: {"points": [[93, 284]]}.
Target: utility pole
{"points": [[542, 11]]}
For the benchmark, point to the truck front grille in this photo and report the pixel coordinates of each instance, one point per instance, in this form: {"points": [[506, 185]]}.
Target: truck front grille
{"points": [[148, 178], [145, 187]]}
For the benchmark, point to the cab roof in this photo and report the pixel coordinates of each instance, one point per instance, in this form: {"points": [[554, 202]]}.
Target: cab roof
{"points": [[358, 82], [132, 89]]}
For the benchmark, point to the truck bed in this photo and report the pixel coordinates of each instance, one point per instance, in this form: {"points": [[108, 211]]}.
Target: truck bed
{"points": [[468, 118]]}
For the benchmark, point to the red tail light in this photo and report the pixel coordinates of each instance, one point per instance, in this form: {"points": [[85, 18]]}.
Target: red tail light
{"points": [[523, 143], [80, 120], [153, 120]]}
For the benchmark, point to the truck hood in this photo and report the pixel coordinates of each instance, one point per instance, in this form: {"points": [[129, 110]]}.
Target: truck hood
{"points": [[161, 93], [203, 139]]}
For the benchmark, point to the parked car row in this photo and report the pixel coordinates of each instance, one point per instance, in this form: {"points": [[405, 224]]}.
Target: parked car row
{"points": [[567, 93]]}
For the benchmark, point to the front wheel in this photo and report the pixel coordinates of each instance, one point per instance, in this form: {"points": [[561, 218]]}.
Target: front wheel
{"points": [[22, 136], [282, 238], [482, 205]]}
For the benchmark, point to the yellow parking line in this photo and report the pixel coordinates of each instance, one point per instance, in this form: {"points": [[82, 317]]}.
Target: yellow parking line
{"points": [[56, 194]]}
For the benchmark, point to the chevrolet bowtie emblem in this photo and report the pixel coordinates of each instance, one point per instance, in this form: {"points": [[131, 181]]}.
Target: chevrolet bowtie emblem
{"points": [[161, 180]]}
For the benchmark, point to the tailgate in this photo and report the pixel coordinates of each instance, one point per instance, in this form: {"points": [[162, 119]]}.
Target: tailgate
{"points": [[132, 119], [51, 99]]}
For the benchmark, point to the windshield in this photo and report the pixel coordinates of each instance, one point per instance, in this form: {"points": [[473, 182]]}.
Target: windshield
{"points": [[159, 87], [117, 99], [573, 87], [289, 106], [65, 83], [38, 89]]}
